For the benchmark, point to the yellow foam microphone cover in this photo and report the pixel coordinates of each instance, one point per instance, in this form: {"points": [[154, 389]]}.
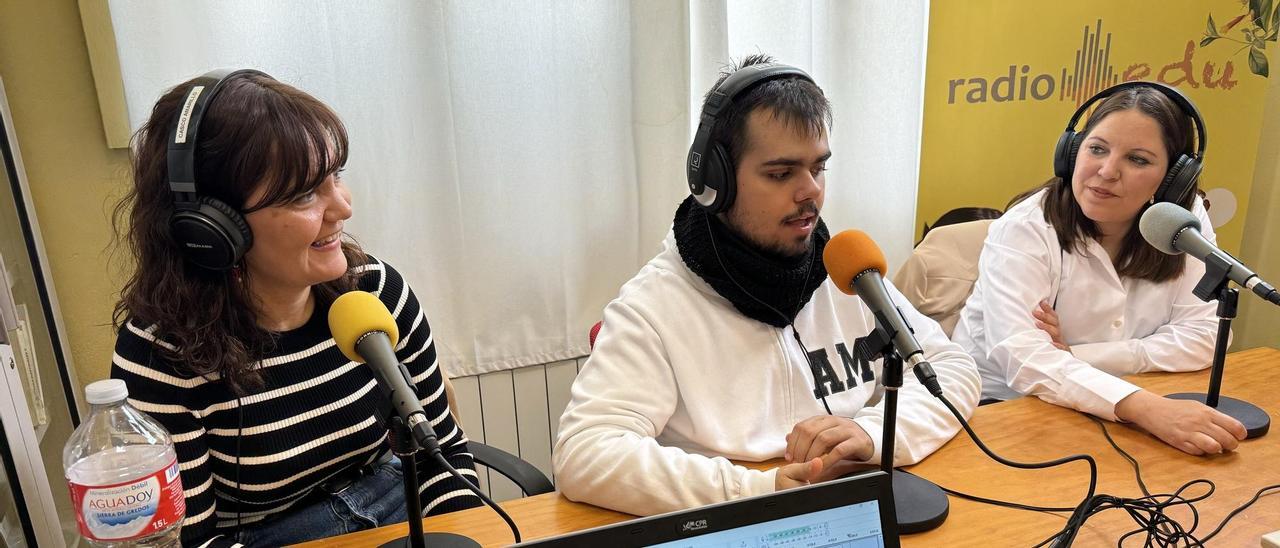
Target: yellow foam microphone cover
{"points": [[850, 253], [355, 313]]}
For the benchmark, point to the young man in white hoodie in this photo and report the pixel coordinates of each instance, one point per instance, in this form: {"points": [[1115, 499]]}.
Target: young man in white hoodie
{"points": [[731, 343]]}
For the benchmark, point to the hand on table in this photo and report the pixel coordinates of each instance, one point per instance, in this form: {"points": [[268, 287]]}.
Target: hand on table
{"points": [[1190, 426], [840, 443]]}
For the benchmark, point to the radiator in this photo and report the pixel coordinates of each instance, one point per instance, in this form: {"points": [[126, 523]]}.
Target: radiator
{"points": [[517, 411]]}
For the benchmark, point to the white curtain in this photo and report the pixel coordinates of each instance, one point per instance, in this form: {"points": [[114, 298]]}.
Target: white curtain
{"points": [[519, 161]]}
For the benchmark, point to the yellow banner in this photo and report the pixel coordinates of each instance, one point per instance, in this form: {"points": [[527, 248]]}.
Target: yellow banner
{"points": [[1004, 76]]}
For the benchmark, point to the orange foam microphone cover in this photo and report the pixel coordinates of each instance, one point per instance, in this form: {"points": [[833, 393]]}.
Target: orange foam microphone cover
{"points": [[849, 253], [355, 313]]}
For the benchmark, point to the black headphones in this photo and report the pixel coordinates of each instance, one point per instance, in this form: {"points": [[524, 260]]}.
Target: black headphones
{"points": [[210, 233], [1183, 172], [709, 168]]}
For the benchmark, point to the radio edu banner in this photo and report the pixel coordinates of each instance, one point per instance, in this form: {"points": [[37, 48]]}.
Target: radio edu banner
{"points": [[1004, 76]]}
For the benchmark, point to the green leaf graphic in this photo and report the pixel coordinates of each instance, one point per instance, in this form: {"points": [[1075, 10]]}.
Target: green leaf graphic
{"points": [[1264, 18], [1258, 62]]}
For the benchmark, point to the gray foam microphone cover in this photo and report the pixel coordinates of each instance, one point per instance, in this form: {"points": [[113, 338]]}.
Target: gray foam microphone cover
{"points": [[1161, 224]]}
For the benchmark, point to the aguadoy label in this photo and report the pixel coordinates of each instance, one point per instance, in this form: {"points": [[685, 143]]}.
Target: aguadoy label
{"points": [[130, 510]]}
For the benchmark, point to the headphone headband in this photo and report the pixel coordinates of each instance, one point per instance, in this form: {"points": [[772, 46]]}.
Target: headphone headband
{"points": [[742, 79], [185, 129], [1172, 93], [209, 233]]}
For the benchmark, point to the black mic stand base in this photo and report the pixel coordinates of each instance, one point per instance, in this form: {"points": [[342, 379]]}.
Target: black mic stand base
{"points": [[921, 505], [1255, 420], [1214, 286], [443, 540]]}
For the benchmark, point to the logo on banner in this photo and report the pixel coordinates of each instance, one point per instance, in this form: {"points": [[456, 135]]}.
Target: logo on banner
{"points": [[1093, 68]]}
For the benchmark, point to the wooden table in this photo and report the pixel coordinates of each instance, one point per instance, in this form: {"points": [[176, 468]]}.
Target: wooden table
{"points": [[1024, 430]]}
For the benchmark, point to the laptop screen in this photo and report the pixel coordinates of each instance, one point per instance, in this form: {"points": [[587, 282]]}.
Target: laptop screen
{"points": [[855, 512], [853, 526]]}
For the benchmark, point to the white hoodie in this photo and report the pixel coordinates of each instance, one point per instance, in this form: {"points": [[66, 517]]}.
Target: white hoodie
{"points": [[680, 382]]}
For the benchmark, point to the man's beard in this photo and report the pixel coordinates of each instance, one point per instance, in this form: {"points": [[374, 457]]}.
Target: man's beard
{"points": [[776, 250]]}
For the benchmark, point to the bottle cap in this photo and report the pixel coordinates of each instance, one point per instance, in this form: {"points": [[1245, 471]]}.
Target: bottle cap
{"points": [[106, 391]]}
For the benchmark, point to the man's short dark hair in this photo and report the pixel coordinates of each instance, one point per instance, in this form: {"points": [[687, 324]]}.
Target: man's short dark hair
{"points": [[797, 102]]}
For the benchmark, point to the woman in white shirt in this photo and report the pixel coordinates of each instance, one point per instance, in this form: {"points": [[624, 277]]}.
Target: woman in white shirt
{"points": [[1070, 297]]}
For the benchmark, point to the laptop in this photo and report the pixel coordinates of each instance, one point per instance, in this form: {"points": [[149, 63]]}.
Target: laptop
{"points": [[855, 512]]}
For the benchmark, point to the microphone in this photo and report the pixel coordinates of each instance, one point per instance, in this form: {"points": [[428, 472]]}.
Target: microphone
{"points": [[857, 267], [1174, 230], [366, 333]]}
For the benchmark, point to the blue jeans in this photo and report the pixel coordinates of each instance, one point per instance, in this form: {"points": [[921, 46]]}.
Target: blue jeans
{"points": [[372, 501]]}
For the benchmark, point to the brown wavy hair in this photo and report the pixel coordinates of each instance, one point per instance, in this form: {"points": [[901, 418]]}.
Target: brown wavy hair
{"points": [[1137, 258], [256, 132]]}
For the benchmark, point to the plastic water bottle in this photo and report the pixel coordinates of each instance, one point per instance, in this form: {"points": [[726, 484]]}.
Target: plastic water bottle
{"points": [[123, 473]]}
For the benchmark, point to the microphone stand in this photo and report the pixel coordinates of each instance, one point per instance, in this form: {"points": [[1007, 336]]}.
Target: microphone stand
{"points": [[404, 446], [1210, 287], [920, 505]]}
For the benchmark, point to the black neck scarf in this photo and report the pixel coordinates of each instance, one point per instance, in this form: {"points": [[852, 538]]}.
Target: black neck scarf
{"points": [[761, 285]]}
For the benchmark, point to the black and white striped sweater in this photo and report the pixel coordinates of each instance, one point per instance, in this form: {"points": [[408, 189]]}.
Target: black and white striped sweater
{"points": [[318, 414]]}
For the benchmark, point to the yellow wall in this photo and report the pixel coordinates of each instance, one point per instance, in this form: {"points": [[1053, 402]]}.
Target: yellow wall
{"points": [[1259, 322], [74, 177]]}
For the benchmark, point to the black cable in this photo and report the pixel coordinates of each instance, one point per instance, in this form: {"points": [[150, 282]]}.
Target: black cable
{"points": [[1068, 533], [1170, 532], [805, 350], [1137, 468], [1052, 511], [239, 436], [1151, 515], [425, 437], [1093, 465], [1150, 511], [1261, 492], [434, 451]]}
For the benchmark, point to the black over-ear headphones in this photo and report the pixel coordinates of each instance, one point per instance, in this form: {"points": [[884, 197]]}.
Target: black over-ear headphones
{"points": [[210, 233], [1183, 172], [709, 167]]}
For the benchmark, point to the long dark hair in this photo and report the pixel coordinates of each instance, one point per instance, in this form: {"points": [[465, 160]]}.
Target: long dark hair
{"points": [[1137, 258], [257, 132]]}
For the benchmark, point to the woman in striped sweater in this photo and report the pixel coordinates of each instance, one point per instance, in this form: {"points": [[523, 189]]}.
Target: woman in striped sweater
{"points": [[280, 438]]}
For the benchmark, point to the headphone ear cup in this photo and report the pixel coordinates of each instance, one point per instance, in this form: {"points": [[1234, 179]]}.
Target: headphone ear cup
{"points": [[1064, 155], [1179, 181], [1061, 161], [234, 221], [720, 178], [214, 235]]}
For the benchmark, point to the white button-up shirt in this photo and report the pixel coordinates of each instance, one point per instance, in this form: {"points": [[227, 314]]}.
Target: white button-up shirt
{"points": [[1114, 326]]}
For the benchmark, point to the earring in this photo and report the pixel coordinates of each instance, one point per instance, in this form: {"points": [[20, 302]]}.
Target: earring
{"points": [[1153, 200], [236, 274]]}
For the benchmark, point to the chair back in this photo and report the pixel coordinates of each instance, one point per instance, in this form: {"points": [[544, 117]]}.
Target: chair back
{"points": [[939, 276]]}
